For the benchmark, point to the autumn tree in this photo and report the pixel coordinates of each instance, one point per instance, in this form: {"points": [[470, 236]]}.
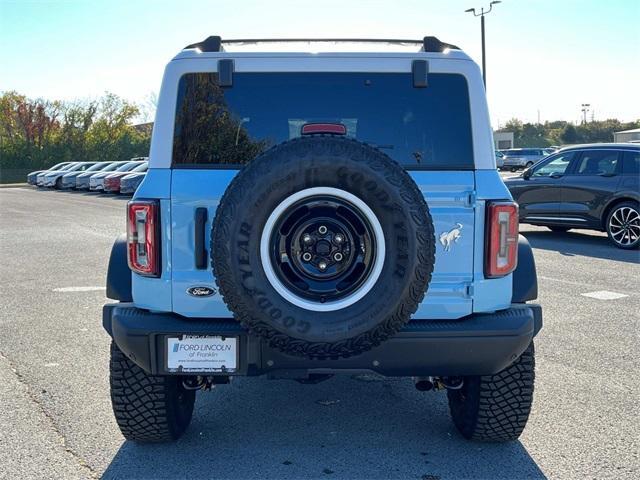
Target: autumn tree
{"points": [[39, 133]]}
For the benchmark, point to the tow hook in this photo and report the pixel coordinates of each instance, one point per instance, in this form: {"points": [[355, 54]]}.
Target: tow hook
{"points": [[424, 384]]}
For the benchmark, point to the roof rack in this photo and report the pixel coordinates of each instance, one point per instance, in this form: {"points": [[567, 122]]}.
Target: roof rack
{"points": [[215, 43]]}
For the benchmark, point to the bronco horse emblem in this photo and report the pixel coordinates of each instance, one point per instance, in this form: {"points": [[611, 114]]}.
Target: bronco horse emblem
{"points": [[450, 237]]}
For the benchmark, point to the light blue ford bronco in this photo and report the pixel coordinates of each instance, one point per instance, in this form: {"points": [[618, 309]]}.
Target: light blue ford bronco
{"points": [[310, 214]]}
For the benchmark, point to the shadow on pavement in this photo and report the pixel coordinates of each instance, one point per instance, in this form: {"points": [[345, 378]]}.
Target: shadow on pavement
{"points": [[89, 193], [581, 242], [346, 427]]}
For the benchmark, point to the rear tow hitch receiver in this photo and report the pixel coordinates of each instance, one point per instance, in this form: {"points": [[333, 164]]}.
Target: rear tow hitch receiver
{"points": [[424, 384], [204, 383]]}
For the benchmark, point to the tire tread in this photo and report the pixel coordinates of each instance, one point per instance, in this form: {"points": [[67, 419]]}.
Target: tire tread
{"points": [[495, 408], [145, 406]]}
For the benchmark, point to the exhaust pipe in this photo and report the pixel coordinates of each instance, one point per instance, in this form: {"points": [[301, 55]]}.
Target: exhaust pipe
{"points": [[423, 384]]}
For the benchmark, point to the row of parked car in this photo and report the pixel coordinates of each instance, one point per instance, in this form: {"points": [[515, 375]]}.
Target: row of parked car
{"points": [[112, 177]]}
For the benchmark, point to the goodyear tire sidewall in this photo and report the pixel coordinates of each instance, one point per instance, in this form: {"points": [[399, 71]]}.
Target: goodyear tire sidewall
{"points": [[323, 162]]}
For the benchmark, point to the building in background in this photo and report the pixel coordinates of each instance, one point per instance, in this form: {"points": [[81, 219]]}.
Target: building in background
{"points": [[627, 136], [503, 140], [145, 128]]}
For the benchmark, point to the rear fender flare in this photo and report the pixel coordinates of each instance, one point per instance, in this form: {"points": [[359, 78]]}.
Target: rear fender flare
{"points": [[524, 278], [119, 273]]}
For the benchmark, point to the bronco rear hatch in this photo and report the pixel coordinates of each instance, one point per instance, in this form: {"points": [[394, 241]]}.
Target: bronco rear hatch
{"points": [[218, 129]]}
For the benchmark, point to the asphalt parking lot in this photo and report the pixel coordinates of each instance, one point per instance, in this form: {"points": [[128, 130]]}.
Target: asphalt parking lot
{"points": [[56, 419]]}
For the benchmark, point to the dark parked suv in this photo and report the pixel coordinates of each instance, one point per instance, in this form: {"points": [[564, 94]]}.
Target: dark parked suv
{"points": [[587, 186]]}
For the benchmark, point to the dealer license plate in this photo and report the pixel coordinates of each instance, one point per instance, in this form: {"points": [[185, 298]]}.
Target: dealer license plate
{"points": [[202, 354]]}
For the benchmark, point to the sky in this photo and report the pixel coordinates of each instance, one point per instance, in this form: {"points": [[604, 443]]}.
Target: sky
{"points": [[544, 57]]}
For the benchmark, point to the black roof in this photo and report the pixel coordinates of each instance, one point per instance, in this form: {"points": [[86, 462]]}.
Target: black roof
{"points": [[601, 146]]}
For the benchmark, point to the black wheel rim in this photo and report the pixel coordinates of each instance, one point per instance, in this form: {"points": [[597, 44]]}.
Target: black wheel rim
{"points": [[322, 248]]}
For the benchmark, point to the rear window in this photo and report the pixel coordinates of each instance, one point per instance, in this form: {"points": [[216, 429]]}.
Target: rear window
{"points": [[127, 166], [426, 128], [84, 167], [631, 163], [97, 166], [141, 168]]}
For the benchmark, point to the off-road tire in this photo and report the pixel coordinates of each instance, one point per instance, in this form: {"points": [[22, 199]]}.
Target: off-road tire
{"points": [[559, 229], [495, 408], [305, 163], [148, 408]]}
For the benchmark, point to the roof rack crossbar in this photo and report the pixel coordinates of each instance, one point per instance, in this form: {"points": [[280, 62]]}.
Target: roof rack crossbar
{"points": [[215, 43], [328, 40]]}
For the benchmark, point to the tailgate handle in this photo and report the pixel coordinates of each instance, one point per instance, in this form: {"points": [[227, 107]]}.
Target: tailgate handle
{"points": [[200, 250]]}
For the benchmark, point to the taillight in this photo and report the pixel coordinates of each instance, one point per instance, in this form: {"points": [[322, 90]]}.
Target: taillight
{"points": [[143, 237], [501, 247], [335, 128]]}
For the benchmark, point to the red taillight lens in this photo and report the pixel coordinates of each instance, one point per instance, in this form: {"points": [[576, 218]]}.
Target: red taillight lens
{"points": [[501, 248], [335, 128], [143, 240]]}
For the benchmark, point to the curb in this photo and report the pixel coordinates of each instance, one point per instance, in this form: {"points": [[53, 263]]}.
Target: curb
{"points": [[13, 185]]}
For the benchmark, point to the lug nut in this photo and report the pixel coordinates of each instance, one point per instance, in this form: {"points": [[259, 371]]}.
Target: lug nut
{"points": [[306, 256], [337, 257], [322, 230], [322, 265], [338, 238], [307, 239]]}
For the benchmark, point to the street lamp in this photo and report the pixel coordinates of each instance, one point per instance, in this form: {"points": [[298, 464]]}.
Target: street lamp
{"points": [[481, 15], [585, 109]]}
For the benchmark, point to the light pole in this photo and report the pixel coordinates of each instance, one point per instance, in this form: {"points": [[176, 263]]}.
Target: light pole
{"points": [[585, 109], [481, 15]]}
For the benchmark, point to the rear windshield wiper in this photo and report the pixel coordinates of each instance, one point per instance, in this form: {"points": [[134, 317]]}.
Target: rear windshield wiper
{"points": [[382, 147]]}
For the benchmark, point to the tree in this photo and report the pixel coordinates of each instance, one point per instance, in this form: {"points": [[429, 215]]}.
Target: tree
{"points": [[149, 107], [526, 134], [569, 134], [38, 133], [560, 132]]}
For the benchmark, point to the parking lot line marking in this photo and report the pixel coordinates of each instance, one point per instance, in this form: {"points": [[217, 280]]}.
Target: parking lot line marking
{"points": [[604, 295], [78, 289], [579, 284]]}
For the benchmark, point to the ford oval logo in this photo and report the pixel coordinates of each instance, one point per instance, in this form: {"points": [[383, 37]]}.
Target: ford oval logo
{"points": [[201, 291]]}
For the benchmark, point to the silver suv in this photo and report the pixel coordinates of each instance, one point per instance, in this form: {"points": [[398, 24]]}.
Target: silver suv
{"points": [[518, 158]]}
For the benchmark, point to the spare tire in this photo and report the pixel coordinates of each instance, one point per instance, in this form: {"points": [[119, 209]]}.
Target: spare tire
{"points": [[323, 246]]}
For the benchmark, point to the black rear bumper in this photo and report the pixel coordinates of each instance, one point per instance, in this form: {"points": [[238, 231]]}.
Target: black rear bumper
{"points": [[479, 344]]}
